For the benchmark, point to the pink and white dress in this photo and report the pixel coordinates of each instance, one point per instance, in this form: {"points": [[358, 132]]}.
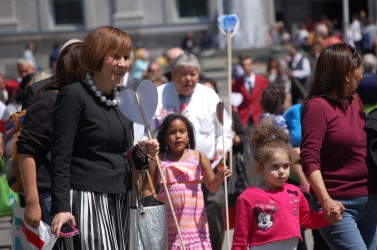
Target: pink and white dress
{"points": [[183, 179]]}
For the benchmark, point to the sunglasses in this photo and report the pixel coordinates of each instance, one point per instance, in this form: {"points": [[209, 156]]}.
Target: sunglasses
{"points": [[352, 49]]}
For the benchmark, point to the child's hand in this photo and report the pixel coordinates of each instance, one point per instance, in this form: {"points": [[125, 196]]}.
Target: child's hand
{"points": [[337, 211], [221, 174], [335, 214], [332, 210], [305, 188]]}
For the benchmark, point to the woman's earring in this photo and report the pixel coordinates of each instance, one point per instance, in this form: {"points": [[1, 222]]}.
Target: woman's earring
{"points": [[348, 82], [166, 147]]}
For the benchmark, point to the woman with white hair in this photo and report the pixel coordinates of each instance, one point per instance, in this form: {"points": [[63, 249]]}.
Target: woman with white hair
{"points": [[367, 89]]}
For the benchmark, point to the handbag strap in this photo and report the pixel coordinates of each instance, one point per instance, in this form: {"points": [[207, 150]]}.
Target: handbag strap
{"points": [[137, 189], [151, 184]]}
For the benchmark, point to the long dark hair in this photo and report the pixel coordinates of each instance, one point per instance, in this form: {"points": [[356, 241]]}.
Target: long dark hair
{"points": [[68, 68], [333, 65], [165, 125]]}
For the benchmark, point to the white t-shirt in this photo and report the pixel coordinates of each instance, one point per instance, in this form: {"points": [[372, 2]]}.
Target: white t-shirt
{"points": [[201, 111]]}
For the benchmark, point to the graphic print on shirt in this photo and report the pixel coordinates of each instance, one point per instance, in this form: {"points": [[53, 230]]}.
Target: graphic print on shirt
{"points": [[264, 214], [293, 200]]}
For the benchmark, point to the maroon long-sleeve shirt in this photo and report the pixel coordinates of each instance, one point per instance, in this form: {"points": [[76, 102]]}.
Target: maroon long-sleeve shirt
{"points": [[334, 141]]}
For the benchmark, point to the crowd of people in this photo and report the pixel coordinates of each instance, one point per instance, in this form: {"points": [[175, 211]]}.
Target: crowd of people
{"points": [[305, 127]]}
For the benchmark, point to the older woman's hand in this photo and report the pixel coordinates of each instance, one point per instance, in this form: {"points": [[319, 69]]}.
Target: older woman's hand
{"points": [[60, 219], [149, 147]]}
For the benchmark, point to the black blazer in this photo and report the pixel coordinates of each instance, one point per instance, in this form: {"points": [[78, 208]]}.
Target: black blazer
{"points": [[35, 137], [89, 146]]}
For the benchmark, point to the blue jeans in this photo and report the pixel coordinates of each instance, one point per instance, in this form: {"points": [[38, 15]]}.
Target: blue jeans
{"points": [[358, 228], [45, 203]]}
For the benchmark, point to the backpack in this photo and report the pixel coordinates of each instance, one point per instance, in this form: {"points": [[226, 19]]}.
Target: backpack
{"points": [[12, 131]]}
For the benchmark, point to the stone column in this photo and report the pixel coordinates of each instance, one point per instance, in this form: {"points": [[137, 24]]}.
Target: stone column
{"points": [[128, 13], [8, 20], [256, 17]]}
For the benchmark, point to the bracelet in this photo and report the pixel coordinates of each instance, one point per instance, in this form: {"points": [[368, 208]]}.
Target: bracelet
{"points": [[139, 151], [324, 200]]}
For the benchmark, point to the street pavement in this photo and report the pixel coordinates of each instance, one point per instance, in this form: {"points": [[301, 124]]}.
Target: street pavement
{"points": [[5, 232], [308, 238]]}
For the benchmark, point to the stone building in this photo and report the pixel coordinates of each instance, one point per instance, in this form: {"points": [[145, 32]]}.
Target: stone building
{"points": [[154, 24]]}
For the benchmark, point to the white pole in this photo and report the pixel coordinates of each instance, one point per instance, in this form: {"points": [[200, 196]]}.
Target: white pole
{"points": [[220, 12], [346, 19]]}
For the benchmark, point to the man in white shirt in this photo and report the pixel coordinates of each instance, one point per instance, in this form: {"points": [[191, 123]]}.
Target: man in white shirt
{"points": [[28, 54], [300, 73], [200, 109], [356, 32]]}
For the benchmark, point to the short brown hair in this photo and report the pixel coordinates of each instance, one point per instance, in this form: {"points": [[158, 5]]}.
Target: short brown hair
{"points": [[273, 99], [102, 42]]}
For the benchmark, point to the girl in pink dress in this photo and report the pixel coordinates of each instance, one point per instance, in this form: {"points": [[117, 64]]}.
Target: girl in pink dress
{"points": [[184, 169]]}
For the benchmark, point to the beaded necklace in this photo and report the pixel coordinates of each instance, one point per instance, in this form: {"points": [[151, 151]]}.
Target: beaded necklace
{"points": [[103, 99]]}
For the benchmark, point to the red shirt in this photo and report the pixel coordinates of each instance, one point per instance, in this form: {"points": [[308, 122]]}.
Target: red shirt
{"points": [[334, 141]]}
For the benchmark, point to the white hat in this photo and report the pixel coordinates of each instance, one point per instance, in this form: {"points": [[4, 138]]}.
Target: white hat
{"points": [[69, 42]]}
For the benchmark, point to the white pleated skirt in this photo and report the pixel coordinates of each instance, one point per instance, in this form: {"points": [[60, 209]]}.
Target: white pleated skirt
{"points": [[102, 220]]}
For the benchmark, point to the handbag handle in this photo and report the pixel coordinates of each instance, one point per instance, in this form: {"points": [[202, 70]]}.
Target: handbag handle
{"points": [[153, 190], [137, 192]]}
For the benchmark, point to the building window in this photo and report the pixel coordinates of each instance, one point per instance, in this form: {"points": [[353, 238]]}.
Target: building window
{"points": [[68, 11], [192, 8]]}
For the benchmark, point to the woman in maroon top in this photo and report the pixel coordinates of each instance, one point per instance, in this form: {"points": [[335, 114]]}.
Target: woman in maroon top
{"points": [[334, 149]]}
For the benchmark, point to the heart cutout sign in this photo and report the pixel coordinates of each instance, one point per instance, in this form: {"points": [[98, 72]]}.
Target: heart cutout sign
{"points": [[147, 104], [229, 24]]}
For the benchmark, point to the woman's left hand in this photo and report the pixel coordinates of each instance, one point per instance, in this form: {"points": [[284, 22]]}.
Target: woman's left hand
{"points": [[60, 219]]}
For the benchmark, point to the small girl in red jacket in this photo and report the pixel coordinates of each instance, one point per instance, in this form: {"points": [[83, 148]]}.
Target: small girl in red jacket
{"points": [[269, 214]]}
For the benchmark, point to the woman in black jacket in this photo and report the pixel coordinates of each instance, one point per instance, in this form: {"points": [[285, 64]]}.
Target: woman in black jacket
{"points": [[91, 141]]}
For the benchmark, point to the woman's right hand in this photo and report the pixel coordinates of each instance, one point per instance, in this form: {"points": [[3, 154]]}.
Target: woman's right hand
{"points": [[60, 219], [33, 214], [149, 147]]}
